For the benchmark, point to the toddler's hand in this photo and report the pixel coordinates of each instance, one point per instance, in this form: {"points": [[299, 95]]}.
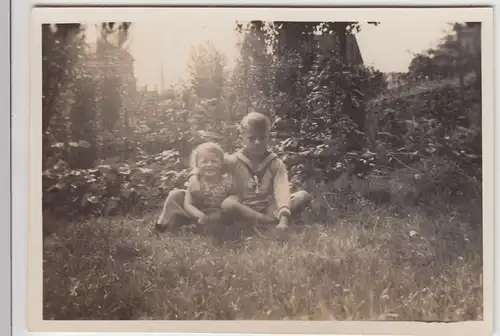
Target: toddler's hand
{"points": [[214, 216], [283, 224], [203, 219]]}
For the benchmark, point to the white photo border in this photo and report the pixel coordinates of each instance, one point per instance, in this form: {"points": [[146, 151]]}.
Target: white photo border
{"points": [[5, 193]]}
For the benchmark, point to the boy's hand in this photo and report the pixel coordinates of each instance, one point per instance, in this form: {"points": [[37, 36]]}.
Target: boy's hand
{"points": [[203, 219], [283, 224]]}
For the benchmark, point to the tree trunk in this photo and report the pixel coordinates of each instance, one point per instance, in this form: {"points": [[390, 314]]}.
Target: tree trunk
{"points": [[55, 64]]}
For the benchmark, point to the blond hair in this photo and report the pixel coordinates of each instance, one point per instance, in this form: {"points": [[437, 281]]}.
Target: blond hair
{"points": [[206, 147], [255, 120]]}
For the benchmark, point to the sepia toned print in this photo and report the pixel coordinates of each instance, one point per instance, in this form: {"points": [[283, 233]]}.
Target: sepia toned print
{"points": [[349, 186]]}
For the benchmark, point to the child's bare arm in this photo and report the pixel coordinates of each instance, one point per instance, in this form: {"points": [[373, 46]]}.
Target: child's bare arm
{"points": [[190, 208]]}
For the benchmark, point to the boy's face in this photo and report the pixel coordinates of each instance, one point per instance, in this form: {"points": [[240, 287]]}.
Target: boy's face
{"points": [[255, 141], [209, 164]]}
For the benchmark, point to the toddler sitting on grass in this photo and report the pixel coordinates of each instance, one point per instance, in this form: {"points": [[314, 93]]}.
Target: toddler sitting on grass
{"points": [[201, 201]]}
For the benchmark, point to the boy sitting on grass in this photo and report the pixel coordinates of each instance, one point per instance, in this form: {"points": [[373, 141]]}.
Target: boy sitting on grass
{"points": [[260, 179]]}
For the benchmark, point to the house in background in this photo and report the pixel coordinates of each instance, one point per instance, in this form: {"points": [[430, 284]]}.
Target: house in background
{"points": [[111, 59], [311, 44], [115, 66], [330, 42]]}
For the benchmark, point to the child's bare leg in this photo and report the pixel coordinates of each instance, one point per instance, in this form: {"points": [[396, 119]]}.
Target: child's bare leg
{"points": [[299, 200], [233, 207], [163, 211], [173, 208]]}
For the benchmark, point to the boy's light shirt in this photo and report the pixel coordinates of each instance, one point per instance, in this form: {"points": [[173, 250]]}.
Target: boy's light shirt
{"points": [[273, 180]]}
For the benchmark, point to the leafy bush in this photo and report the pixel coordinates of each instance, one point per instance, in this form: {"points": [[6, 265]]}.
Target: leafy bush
{"points": [[139, 170], [430, 122], [332, 97], [112, 187]]}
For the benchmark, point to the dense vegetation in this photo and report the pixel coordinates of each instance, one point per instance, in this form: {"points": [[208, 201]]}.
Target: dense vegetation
{"points": [[390, 166]]}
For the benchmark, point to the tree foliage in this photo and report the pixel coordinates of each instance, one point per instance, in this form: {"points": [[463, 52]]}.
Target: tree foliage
{"points": [[304, 74], [459, 50], [207, 71], [75, 81]]}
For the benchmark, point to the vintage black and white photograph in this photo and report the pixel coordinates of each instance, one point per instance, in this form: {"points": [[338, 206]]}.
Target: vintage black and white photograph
{"points": [[212, 168]]}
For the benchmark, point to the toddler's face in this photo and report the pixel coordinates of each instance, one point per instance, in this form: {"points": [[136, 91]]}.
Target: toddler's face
{"points": [[209, 164], [255, 141]]}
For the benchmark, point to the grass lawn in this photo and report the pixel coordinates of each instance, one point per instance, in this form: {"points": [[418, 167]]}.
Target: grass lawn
{"points": [[371, 265]]}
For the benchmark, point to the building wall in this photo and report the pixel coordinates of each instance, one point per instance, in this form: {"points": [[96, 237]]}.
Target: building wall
{"points": [[330, 42]]}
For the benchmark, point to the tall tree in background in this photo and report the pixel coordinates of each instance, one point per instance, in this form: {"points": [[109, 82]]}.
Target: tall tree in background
{"points": [[58, 57], [458, 56], [114, 70], [459, 51], [208, 82], [291, 48], [82, 113], [254, 75], [113, 59], [207, 71], [57, 62], [315, 82], [70, 88]]}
